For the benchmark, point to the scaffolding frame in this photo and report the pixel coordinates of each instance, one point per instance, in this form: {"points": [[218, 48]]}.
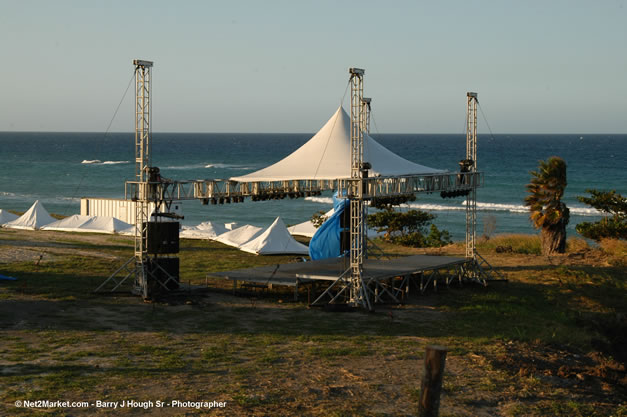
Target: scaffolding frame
{"points": [[140, 266], [471, 166], [359, 188]]}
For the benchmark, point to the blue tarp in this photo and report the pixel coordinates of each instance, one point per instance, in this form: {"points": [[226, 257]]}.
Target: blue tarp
{"points": [[326, 241], [4, 277]]}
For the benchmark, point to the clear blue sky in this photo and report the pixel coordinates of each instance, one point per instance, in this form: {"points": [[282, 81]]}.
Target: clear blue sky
{"points": [[547, 66]]}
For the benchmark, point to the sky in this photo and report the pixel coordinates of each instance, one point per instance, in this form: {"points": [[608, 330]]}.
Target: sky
{"points": [[282, 66]]}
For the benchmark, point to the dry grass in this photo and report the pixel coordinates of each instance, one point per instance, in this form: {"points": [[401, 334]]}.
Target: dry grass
{"points": [[616, 250], [548, 342]]}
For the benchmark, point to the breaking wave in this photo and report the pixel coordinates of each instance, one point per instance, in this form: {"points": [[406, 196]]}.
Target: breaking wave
{"points": [[322, 200], [99, 162], [510, 208], [205, 165], [227, 166], [185, 167], [114, 162]]}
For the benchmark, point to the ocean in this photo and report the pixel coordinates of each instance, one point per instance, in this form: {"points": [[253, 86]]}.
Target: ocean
{"points": [[59, 168]]}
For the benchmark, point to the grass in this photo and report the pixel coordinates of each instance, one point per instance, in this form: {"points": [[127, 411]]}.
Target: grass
{"points": [[508, 343]]}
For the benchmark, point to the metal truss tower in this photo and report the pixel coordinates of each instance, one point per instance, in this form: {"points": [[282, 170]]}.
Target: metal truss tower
{"points": [[147, 194], [470, 165], [366, 107], [359, 293], [143, 112]]}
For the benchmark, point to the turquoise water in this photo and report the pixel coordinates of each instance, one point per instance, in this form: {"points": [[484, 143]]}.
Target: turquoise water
{"points": [[55, 168]]}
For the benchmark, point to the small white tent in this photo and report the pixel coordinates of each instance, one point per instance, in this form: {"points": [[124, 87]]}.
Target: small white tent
{"points": [[231, 225], [239, 236], [205, 230], [69, 224], [307, 228], [327, 156], [6, 216], [103, 224], [275, 240], [36, 217]]}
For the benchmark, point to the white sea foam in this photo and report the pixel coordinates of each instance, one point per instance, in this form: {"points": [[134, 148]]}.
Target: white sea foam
{"points": [[227, 166], [205, 165], [511, 208], [115, 162], [99, 162], [481, 206], [322, 200]]}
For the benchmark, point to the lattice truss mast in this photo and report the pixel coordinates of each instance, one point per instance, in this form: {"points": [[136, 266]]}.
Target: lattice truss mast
{"points": [[150, 191]]}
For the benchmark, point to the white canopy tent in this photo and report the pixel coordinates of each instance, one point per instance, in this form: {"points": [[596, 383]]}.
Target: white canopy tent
{"points": [[35, 218], [104, 224], [307, 228], [239, 236], [205, 230], [327, 156], [88, 224], [7, 216], [275, 240], [69, 224]]}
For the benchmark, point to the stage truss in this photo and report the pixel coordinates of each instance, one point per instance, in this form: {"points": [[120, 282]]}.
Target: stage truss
{"points": [[359, 188]]}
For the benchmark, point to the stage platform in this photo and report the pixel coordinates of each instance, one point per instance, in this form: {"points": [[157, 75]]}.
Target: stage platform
{"points": [[329, 270]]}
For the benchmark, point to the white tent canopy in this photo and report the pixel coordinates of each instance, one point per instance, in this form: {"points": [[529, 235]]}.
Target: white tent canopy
{"points": [[88, 224], [36, 217], [275, 240], [69, 224], [307, 228], [104, 224], [7, 216], [205, 230], [327, 156], [240, 236]]}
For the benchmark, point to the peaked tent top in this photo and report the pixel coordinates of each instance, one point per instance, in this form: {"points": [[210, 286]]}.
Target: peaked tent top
{"points": [[205, 230], [307, 228], [275, 240], [36, 217], [104, 224], [326, 156], [69, 224], [240, 236], [7, 216]]}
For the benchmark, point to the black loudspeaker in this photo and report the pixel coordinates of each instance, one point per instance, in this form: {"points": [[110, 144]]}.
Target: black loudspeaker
{"points": [[171, 266], [163, 237], [345, 241], [345, 217]]}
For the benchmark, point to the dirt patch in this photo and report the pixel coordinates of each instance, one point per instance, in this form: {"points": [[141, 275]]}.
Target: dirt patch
{"points": [[562, 368]]}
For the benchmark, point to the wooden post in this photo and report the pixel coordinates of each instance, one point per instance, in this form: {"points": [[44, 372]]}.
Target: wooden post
{"points": [[429, 404]]}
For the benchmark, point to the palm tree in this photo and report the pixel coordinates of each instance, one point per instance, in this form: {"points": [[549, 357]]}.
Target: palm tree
{"points": [[547, 212]]}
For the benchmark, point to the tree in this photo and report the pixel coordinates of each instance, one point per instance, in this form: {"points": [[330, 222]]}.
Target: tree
{"points": [[612, 226], [318, 218], [547, 211], [408, 228]]}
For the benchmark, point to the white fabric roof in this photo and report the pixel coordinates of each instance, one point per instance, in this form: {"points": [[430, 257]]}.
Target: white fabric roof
{"points": [[36, 217], [205, 230], [307, 228], [103, 224], [239, 236], [327, 156], [69, 224], [89, 224], [6, 216], [275, 240]]}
